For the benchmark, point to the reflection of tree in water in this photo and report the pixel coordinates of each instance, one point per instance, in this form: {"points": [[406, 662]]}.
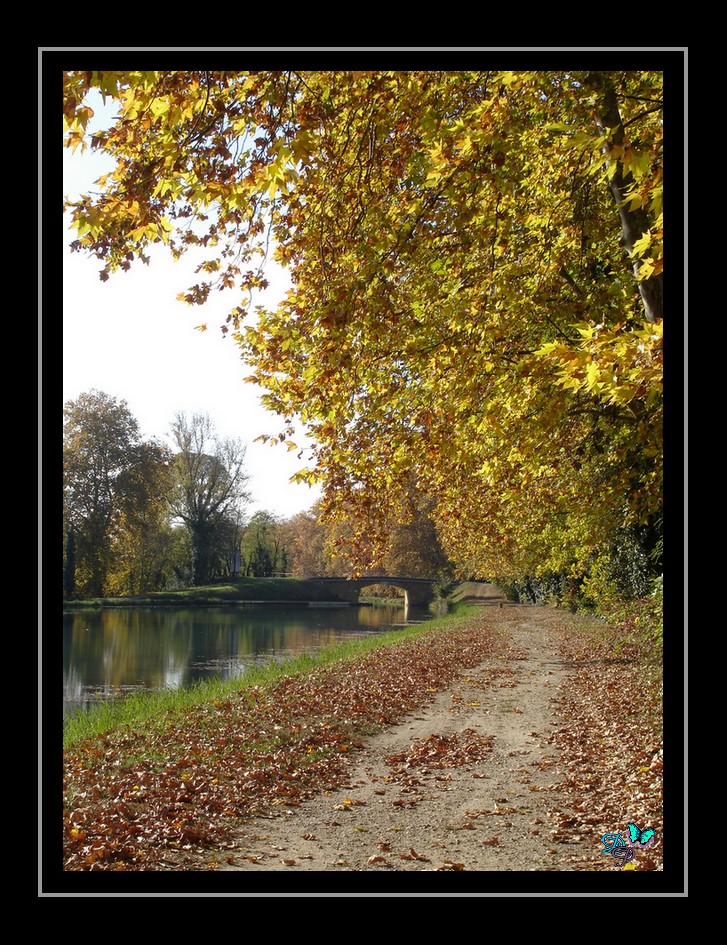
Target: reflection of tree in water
{"points": [[382, 615]]}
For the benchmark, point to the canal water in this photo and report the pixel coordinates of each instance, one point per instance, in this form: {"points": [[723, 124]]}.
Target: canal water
{"points": [[109, 653]]}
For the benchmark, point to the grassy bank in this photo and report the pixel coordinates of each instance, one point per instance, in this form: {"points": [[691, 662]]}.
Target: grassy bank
{"points": [[145, 708], [237, 590]]}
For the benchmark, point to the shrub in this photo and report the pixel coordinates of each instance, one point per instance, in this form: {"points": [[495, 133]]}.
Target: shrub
{"points": [[549, 589]]}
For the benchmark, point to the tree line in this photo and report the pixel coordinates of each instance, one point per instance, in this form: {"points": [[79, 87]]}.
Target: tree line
{"points": [[139, 516], [476, 313]]}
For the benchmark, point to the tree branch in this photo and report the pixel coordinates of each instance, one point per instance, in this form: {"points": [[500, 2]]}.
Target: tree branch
{"points": [[634, 223]]}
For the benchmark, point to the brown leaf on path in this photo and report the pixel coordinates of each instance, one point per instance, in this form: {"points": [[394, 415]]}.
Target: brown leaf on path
{"points": [[413, 855], [603, 756]]}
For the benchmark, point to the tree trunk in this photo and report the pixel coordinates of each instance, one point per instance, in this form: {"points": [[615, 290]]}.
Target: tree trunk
{"points": [[69, 573], [634, 223]]}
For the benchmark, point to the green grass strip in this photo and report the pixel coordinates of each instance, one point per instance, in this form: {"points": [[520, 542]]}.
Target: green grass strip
{"points": [[139, 708]]}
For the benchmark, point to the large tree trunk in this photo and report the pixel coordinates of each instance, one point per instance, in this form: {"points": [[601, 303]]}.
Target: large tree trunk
{"points": [[634, 223]]}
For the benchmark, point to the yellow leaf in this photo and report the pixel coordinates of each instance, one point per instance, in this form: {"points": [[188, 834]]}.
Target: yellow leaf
{"points": [[641, 245], [592, 375], [159, 107]]}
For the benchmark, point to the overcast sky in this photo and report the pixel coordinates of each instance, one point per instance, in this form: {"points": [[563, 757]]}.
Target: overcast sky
{"points": [[130, 338]]}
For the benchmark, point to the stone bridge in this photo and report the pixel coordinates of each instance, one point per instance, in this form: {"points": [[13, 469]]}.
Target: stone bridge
{"points": [[418, 592]]}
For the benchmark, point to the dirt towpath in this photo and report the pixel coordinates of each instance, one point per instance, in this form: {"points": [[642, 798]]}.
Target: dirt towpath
{"points": [[468, 782]]}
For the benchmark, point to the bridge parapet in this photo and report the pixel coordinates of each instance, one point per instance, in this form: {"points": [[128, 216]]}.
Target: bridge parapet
{"points": [[418, 592]]}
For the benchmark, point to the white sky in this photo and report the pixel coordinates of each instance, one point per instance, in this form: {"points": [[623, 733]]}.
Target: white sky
{"points": [[130, 338]]}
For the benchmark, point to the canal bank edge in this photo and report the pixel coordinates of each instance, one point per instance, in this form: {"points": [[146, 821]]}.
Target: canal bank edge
{"points": [[258, 591]]}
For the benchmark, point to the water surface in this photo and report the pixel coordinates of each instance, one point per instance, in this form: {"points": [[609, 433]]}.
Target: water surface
{"points": [[110, 652]]}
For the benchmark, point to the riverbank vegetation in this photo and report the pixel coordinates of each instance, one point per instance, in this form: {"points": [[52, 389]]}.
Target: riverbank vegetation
{"points": [[230, 591], [146, 523]]}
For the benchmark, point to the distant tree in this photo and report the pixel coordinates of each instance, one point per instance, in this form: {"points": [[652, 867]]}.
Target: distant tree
{"points": [[262, 549], [69, 568], [109, 475], [144, 533], [412, 546], [229, 536], [209, 490], [307, 541], [180, 558]]}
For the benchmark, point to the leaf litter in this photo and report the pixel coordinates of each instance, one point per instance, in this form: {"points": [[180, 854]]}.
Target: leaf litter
{"points": [[340, 768]]}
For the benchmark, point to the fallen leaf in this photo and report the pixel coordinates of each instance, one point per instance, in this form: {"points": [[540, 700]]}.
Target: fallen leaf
{"points": [[413, 855]]}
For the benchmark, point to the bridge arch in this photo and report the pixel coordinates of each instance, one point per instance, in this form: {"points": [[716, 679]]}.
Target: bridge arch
{"points": [[363, 583], [418, 592]]}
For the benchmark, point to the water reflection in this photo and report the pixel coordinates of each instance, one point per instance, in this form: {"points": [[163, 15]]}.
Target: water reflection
{"points": [[108, 653]]}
